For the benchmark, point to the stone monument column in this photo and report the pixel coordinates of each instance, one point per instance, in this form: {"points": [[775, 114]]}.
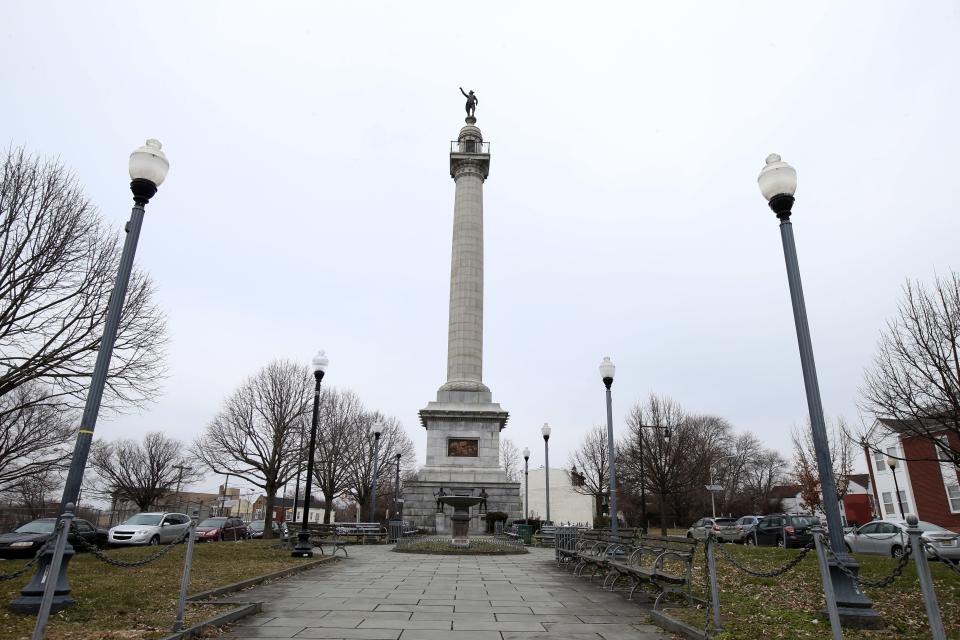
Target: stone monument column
{"points": [[463, 424], [469, 167]]}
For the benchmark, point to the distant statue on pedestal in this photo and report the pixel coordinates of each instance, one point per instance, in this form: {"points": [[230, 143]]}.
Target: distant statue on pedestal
{"points": [[471, 102], [483, 500], [439, 494]]}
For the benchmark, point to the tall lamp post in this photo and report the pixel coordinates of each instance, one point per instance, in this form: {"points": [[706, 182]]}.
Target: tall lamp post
{"points": [[545, 430], [778, 183], [148, 168], [304, 548], [607, 369], [643, 473], [526, 485], [296, 487], [377, 430], [892, 463], [396, 492]]}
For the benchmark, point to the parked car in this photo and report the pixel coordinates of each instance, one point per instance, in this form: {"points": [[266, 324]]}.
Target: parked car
{"points": [[221, 528], [25, 540], [745, 527], [255, 529], [698, 530], [150, 529], [786, 531], [888, 538]]}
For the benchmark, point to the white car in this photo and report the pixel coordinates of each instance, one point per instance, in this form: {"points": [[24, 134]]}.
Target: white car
{"points": [[889, 537], [150, 529]]}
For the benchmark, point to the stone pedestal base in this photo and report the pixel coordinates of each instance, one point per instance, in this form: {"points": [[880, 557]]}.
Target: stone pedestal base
{"points": [[420, 505]]}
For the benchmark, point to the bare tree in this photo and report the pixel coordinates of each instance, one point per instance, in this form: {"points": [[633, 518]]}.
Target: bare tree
{"points": [[393, 440], [510, 459], [142, 473], [33, 436], [256, 435], [915, 379], [592, 462], [805, 470], [34, 491], [58, 262], [342, 416], [763, 472]]}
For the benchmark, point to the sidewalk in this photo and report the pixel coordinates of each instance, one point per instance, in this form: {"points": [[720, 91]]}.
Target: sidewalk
{"points": [[380, 595]]}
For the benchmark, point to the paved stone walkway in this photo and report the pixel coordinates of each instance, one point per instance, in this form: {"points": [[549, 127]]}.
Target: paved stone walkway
{"points": [[380, 595]]}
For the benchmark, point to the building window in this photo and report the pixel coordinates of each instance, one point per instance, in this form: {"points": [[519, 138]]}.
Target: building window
{"points": [[892, 508], [953, 497], [880, 461]]}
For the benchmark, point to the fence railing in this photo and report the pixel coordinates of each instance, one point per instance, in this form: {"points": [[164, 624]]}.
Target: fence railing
{"points": [[469, 146], [917, 549]]}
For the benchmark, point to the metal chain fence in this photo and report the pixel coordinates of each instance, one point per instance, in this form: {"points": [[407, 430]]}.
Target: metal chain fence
{"points": [[100, 555], [22, 570], [945, 561], [766, 574], [863, 582]]}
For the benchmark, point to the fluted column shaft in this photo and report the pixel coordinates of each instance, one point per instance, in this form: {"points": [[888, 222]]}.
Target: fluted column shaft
{"points": [[465, 336]]}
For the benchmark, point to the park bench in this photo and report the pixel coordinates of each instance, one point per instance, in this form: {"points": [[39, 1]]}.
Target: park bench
{"points": [[326, 535], [665, 562], [512, 532], [362, 531], [545, 537], [565, 542], [608, 548], [571, 550]]}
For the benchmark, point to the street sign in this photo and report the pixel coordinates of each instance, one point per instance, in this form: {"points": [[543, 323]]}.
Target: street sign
{"points": [[714, 487]]}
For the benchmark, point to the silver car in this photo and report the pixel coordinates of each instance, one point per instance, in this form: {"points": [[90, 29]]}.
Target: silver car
{"points": [[150, 529], [888, 538]]}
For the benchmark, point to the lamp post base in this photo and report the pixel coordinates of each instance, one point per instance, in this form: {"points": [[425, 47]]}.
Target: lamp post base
{"points": [[855, 608], [303, 548], [32, 593]]}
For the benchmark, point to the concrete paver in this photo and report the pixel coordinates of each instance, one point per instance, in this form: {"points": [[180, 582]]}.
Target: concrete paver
{"points": [[376, 594]]}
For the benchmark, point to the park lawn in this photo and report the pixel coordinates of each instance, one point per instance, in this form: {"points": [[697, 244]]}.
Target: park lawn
{"points": [[788, 607], [114, 603]]}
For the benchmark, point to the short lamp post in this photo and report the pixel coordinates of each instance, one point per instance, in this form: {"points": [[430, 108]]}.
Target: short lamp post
{"points": [[396, 493], [526, 485], [713, 484], [778, 183], [377, 430], [892, 463], [148, 168], [545, 430], [607, 369], [304, 548]]}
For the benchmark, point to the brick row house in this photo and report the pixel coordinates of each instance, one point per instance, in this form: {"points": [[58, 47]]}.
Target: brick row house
{"points": [[929, 485]]}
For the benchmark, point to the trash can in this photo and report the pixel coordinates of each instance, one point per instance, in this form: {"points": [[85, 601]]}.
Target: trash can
{"points": [[396, 530], [526, 533]]}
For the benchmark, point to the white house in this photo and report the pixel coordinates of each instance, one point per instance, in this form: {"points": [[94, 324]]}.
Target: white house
{"points": [[566, 505]]}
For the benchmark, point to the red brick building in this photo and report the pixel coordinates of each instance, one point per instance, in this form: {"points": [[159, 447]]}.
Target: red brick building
{"points": [[928, 485]]}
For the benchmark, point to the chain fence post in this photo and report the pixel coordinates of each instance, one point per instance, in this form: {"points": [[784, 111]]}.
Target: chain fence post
{"points": [[53, 572], [828, 593], [712, 570], [185, 578], [926, 581]]}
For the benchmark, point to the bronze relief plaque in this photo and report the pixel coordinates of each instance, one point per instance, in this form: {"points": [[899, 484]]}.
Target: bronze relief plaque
{"points": [[463, 448]]}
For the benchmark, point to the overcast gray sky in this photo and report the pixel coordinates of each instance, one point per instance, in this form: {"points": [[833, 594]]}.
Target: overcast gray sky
{"points": [[309, 202]]}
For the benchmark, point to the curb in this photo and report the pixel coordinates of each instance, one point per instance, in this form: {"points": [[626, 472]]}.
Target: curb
{"points": [[673, 625], [217, 621], [252, 582]]}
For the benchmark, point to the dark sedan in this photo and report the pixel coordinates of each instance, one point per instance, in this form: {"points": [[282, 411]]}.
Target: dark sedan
{"points": [[25, 540], [255, 529]]}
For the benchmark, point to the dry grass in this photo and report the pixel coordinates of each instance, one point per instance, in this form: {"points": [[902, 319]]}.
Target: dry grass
{"points": [[788, 607], [114, 603]]}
